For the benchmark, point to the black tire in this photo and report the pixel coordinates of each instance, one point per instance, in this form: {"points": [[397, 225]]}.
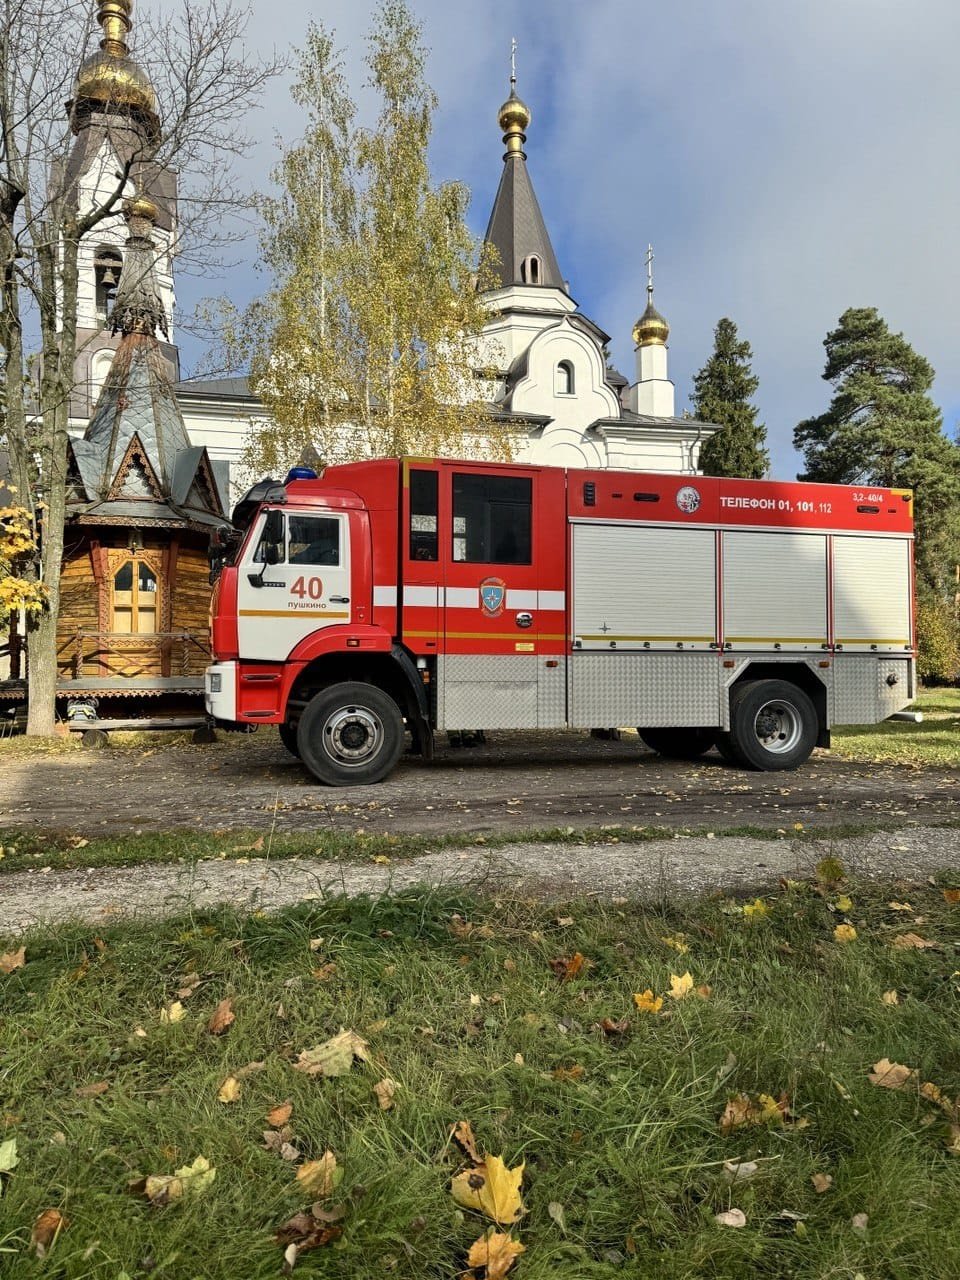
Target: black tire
{"points": [[350, 735], [679, 744], [94, 739], [773, 725], [288, 736]]}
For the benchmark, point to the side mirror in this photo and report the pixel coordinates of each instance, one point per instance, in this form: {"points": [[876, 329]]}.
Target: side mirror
{"points": [[271, 552], [273, 530]]}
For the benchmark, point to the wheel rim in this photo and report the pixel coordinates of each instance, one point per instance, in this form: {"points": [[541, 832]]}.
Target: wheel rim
{"points": [[778, 727], [353, 736]]}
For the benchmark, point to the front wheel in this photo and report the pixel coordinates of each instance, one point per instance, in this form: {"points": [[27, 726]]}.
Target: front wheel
{"points": [[773, 725], [679, 744], [350, 734]]}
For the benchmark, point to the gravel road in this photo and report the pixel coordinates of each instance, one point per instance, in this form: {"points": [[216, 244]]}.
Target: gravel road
{"points": [[679, 865]]}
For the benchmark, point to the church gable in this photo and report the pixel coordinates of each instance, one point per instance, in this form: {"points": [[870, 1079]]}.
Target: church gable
{"points": [[204, 494], [135, 477]]}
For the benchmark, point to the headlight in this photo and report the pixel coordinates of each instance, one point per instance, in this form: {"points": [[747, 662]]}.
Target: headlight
{"points": [[216, 682]]}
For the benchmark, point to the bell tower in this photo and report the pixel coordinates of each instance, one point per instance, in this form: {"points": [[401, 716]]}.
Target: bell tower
{"points": [[113, 116]]}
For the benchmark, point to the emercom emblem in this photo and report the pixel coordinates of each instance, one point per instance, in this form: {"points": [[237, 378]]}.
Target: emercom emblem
{"points": [[493, 596]]}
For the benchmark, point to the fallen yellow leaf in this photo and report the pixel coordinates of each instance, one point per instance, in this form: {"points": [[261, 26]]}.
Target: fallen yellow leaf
{"points": [[844, 933], [680, 987], [335, 1056], [677, 942], [172, 1012], [821, 1182], [490, 1188], [318, 1178], [890, 997], [495, 1253], [647, 1002], [756, 908], [899, 906], [951, 895], [230, 1090], [463, 1135]]}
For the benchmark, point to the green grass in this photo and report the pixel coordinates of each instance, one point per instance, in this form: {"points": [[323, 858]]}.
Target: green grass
{"points": [[631, 1150], [935, 742]]}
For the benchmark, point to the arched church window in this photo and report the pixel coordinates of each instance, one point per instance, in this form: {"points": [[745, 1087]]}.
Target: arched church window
{"points": [[106, 270], [530, 269], [565, 383], [99, 368], [135, 604]]}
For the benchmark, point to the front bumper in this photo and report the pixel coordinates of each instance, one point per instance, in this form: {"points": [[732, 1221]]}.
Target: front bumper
{"points": [[220, 690]]}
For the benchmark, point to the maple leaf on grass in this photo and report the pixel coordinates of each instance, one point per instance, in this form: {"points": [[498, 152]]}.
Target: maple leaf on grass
{"points": [[463, 1135], [230, 1090], [335, 1056], [279, 1115], [385, 1090], [490, 1188], [911, 942], [495, 1253], [190, 1180], [743, 1111], [647, 1002], [310, 1230]]}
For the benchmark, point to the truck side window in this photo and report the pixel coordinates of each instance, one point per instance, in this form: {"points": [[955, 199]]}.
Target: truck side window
{"points": [[424, 499], [313, 540], [492, 518]]}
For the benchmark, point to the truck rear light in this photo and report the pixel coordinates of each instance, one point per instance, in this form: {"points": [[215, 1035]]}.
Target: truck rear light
{"points": [[216, 682], [589, 494]]}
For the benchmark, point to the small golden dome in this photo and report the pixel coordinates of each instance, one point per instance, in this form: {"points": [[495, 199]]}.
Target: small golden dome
{"points": [[115, 79], [514, 115], [651, 329], [141, 207]]}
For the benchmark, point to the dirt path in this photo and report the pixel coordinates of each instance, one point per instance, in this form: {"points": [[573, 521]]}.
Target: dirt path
{"points": [[517, 782], [682, 864]]}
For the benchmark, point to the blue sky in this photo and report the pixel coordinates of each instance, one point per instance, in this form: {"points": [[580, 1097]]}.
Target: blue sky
{"points": [[786, 158]]}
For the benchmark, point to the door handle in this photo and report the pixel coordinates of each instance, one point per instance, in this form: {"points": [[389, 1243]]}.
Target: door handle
{"points": [[524, 620], [339, 599]]}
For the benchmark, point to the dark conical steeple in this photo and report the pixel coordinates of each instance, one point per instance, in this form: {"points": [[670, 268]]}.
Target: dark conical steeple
{"points": [[516, 229], [135, 460]]}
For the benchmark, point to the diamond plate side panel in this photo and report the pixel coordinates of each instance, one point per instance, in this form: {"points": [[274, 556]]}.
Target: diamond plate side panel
{"points": [[552, 694], [649, 689], [495, 692], [857, 686], [863, 694]]}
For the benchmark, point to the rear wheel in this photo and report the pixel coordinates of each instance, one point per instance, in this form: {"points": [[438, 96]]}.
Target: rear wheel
{"points": [[773, 725], [288, 736], [679, 744], [350, 734]]}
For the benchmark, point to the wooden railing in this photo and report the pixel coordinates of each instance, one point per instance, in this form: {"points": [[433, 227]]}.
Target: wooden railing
{"points": [[119, 654]]}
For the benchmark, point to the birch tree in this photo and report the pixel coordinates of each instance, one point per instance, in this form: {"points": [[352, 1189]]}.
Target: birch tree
{"points": [[368, 342]]}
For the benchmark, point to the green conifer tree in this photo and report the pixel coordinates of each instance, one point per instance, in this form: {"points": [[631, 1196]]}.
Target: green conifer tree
{"points": [[882, 428], [721, 393]]}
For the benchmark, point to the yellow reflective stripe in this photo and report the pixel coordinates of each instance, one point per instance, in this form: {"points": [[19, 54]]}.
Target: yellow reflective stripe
{"points": [[610, 636], [478, 635]]}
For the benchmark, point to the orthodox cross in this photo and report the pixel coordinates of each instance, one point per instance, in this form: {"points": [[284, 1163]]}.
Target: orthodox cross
{"points": [[650, 269], [513, 62]]}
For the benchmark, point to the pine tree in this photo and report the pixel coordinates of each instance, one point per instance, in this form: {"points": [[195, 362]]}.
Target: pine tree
{"points": [[367, 343], [721, 393], [882, 428]]}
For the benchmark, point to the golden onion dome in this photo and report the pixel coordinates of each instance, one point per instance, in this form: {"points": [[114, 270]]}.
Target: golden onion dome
{"points": [[107, 78], [141, 207], [110, 75], [651, 329], [514, 115]]}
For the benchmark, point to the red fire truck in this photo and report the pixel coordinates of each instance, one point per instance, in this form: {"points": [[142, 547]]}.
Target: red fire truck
{"points": [[415, 595]]}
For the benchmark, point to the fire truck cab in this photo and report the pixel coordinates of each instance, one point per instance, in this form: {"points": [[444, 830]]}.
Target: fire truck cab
{"points": [[408, 596]]}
